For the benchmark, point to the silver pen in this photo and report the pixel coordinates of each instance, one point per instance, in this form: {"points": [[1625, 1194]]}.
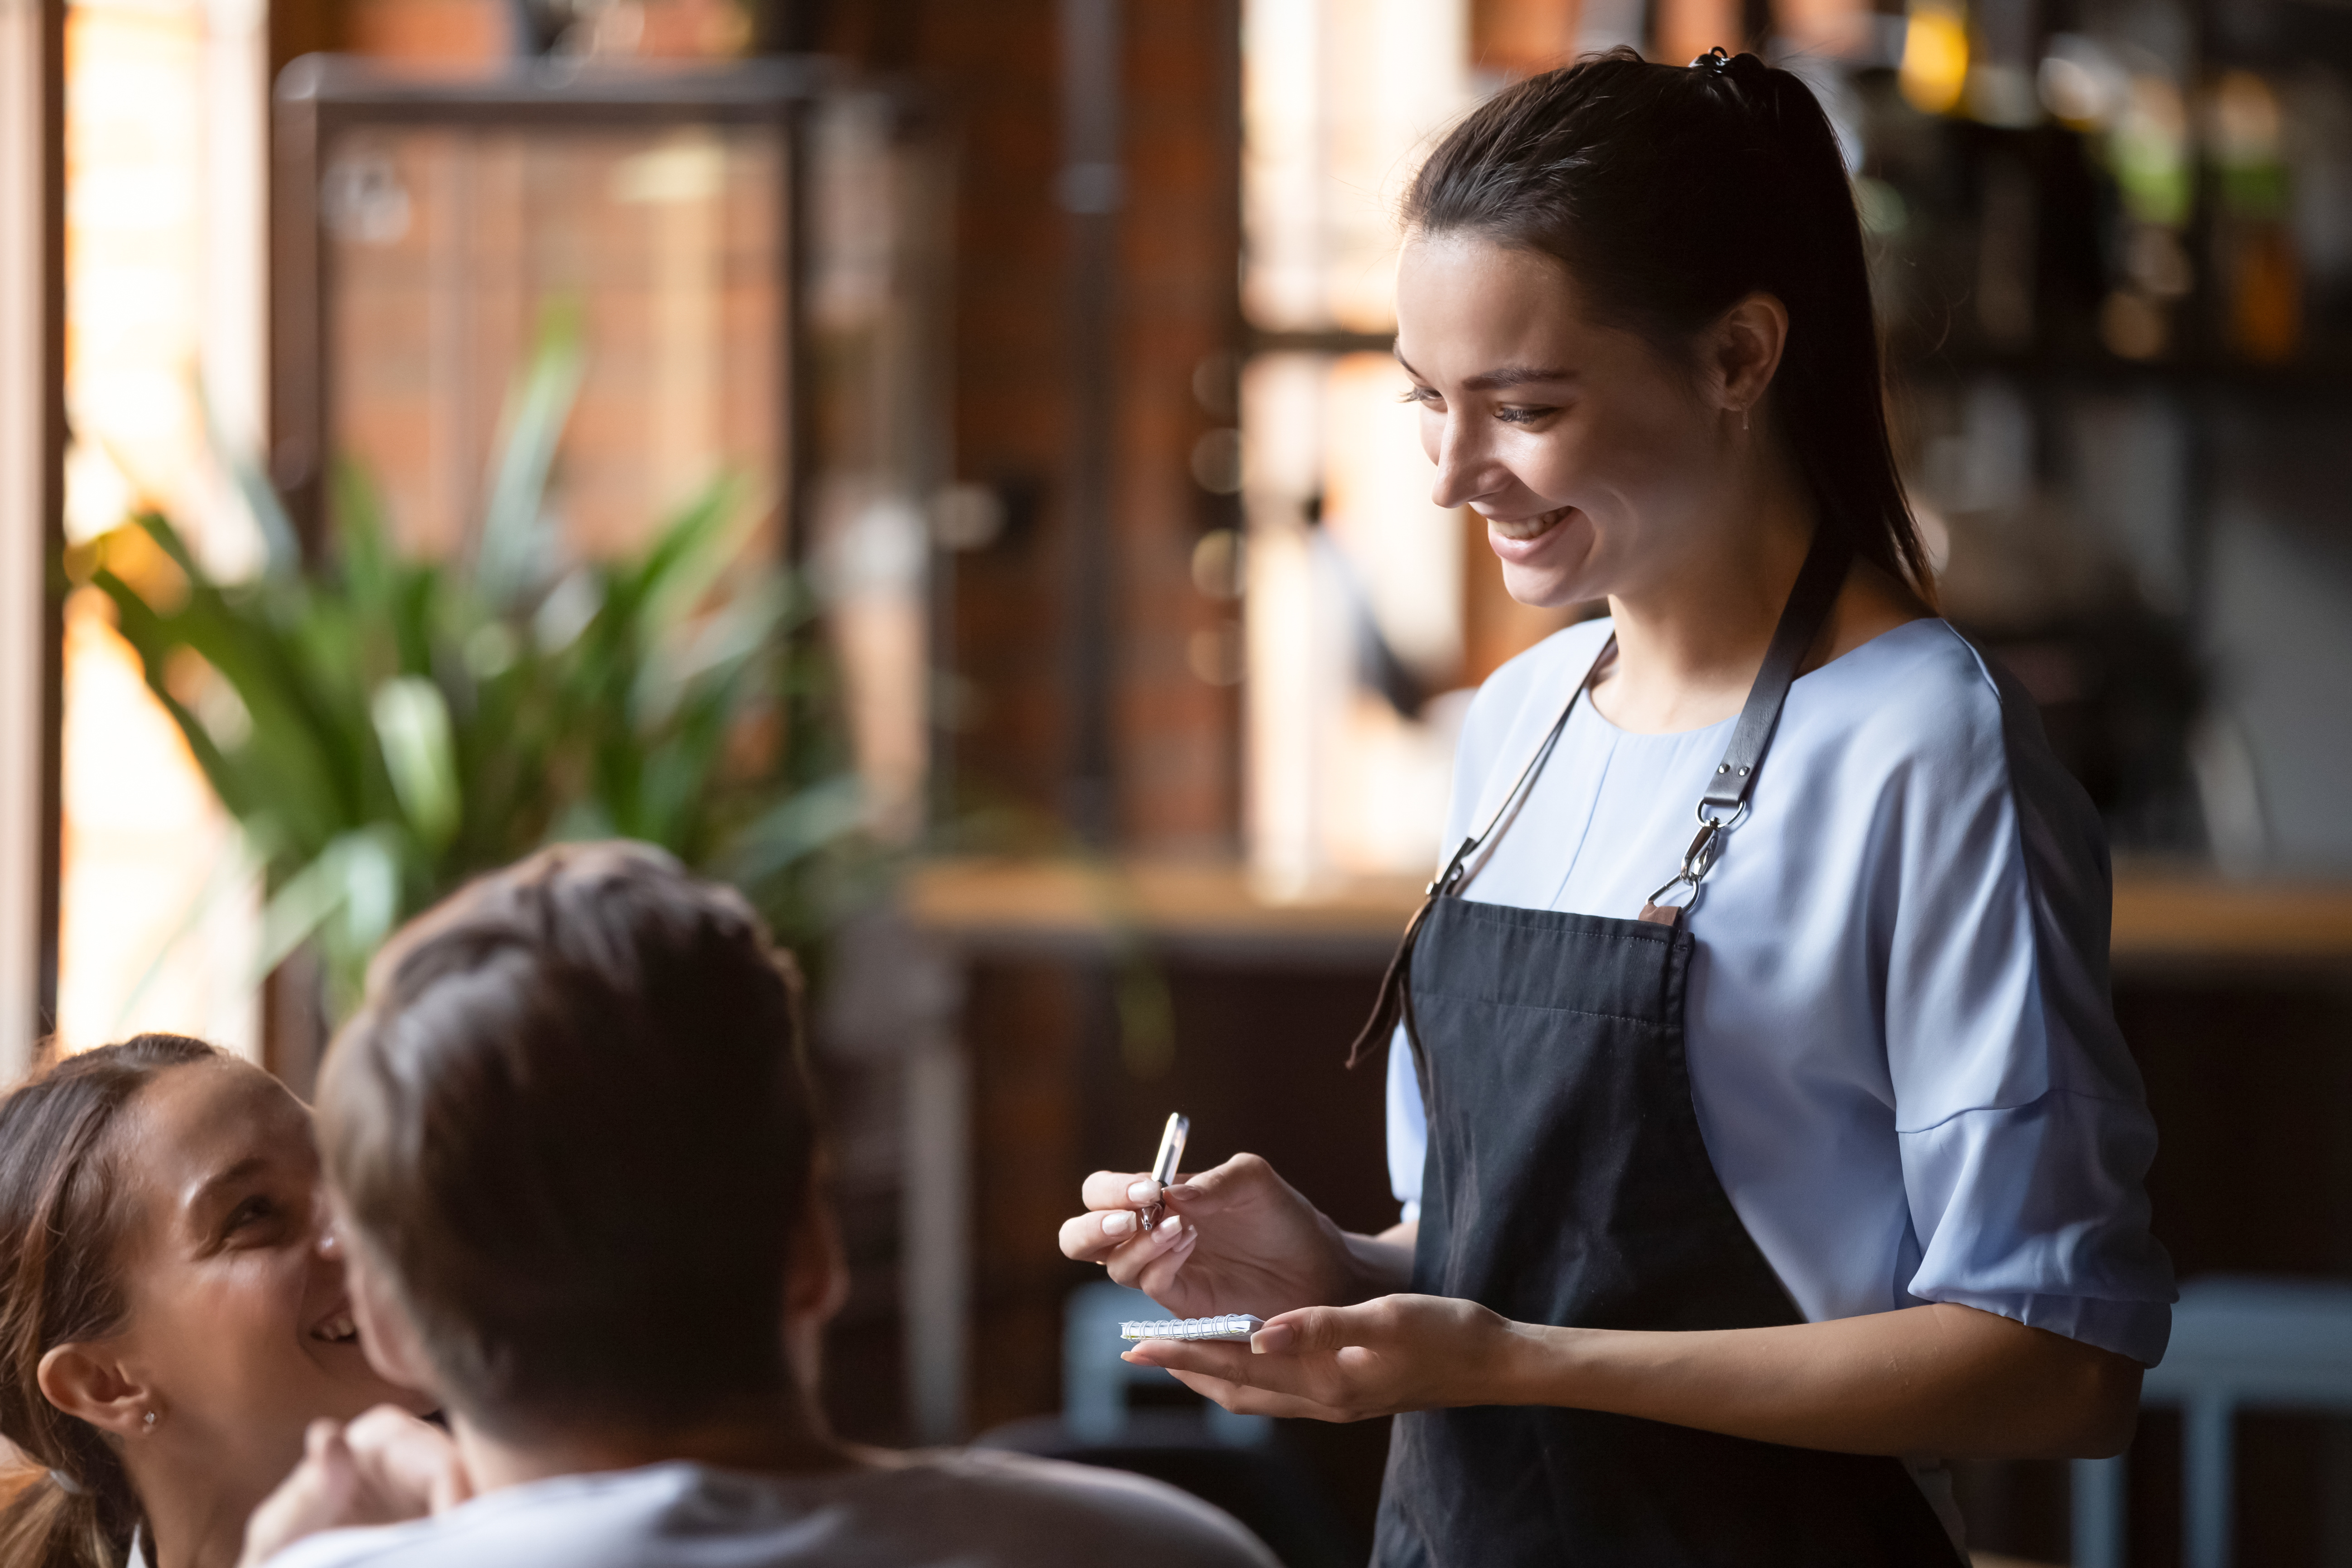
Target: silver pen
{"points": [[1164, 1167]]}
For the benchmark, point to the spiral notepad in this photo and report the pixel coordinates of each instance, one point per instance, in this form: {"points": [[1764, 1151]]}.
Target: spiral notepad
{"points": [[1234, 1326]]}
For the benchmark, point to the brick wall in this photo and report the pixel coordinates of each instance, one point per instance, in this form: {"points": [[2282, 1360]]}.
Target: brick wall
{"points": [[1176, 765], [1177, 735], [995, 69]]}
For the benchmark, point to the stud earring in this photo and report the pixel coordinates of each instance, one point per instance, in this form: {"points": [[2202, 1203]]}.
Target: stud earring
{"points": [[151, 1421], [1743, 419]]}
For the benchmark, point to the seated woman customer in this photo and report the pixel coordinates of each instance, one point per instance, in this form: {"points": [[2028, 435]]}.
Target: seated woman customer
{"points": [[572, 1151], [169, 1322]]}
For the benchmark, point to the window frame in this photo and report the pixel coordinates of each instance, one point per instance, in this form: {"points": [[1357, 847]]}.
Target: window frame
{"points": [[32, 501]]}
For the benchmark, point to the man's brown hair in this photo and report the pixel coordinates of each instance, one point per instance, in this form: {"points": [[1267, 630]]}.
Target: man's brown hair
{"points": [[572, 1122]]}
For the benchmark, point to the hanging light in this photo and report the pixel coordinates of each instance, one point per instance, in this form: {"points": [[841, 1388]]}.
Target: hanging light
{"points": [[1935, 68]]}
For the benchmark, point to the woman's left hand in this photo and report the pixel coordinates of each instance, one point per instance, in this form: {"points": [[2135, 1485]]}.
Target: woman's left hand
{"points": [[1938, 1378], [1348, 1363]]}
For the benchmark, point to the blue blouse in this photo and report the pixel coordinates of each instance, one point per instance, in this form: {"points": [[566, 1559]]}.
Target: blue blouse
{"points": [[1902, 1049]]}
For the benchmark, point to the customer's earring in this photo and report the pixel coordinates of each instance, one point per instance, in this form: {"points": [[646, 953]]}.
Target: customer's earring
{"points": [[151, 1421], [1743, 419]]}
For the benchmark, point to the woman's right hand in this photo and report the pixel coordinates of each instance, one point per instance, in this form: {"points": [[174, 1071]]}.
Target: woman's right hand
{"points": [[1237, 1238]]}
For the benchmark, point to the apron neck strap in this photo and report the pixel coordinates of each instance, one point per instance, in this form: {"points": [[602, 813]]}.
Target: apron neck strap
{"points": [[1395, 1000], [1724, 802], [1819, 580], [1458, 870]]}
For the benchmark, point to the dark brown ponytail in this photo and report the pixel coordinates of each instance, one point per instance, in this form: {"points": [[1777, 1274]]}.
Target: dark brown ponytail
{"points": [[60, 1223], [1672, 192]]}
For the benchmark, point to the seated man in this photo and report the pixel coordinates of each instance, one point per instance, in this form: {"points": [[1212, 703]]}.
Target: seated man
{"points": [[572, 1149]]}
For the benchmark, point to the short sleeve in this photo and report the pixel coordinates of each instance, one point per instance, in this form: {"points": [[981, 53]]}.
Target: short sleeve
{"points": [[2024, 1128]]}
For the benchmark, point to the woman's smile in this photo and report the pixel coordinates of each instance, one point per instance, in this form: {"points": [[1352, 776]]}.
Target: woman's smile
{"points": [[1522, 529], [1549, 545], [337, 1329]]}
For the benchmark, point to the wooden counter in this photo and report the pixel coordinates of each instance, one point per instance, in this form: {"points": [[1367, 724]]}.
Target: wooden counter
{"points": [[2161, 918], [1210, 910], [1215, 910], [2237, 997]]}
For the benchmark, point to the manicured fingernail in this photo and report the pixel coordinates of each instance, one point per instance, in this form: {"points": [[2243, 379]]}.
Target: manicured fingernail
{"points": [[1270, 1341], [1143, 1193], [1169, 1226], [1118, 1222]]}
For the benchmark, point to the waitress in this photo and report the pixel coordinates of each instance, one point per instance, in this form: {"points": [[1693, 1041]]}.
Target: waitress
{"points": [[1759, 1116]]}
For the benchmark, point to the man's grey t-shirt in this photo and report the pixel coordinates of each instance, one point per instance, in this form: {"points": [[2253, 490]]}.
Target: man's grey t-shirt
{"points": [[946, 1511]]}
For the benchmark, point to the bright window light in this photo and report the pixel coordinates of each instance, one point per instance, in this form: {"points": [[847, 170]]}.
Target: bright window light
{"points": [[164, 130], [1370, 612]]}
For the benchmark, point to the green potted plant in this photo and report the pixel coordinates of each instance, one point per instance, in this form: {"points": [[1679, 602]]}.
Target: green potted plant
{"points": [[384, 725]]}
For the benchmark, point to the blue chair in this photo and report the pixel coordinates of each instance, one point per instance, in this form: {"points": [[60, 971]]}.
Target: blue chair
{"points": [[1095, 1381], [2238, 1342], [1232, 1461]]}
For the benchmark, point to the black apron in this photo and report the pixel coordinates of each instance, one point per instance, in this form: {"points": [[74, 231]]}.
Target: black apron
{"points": [[1566, 1182]]}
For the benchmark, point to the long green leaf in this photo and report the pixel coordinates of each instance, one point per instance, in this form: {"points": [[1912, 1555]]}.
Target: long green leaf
{"points": [[409, 723], [412, 725], [797, 828], [514, 539]]}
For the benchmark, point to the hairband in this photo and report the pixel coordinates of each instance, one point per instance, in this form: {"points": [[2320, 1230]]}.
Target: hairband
{"points": [[1715, 62]]}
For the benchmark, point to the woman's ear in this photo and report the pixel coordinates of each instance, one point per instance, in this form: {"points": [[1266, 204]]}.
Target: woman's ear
{"points": [[88, 1384], [1748, 341]]}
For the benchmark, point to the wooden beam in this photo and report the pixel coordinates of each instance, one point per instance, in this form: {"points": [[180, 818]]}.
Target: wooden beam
{"points": [[32, 490]]}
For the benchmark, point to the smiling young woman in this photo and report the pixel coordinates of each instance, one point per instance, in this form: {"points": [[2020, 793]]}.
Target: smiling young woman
{"points": [[171, 1314], [1756, 1104]]}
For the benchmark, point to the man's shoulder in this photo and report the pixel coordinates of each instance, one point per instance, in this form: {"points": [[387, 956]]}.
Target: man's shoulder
{"points": [[600, 1518], [972, 1509]]}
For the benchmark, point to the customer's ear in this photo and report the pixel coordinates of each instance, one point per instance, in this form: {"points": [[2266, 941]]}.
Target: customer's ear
{"points": [[88, 1382], [816, 1284], [816, 1275]]}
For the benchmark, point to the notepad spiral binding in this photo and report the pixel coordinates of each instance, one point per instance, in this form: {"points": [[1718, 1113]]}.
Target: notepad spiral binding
{"points": [[1233, 1326]]}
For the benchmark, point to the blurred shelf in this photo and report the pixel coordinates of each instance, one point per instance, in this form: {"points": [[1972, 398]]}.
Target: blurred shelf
{"points": [[2299, 382], [2174, 922], [1317, 340], [2180, 917], [555, 87], [1206, 909]]}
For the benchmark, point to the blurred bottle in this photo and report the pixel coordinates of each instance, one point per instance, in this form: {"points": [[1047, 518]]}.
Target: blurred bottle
{"points": [[2317, 106], [2255, 261], [1934, 72], [2148, 149]]}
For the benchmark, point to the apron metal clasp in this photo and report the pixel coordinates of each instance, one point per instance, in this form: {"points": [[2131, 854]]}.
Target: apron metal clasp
{"points": [[1698, 860]]}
